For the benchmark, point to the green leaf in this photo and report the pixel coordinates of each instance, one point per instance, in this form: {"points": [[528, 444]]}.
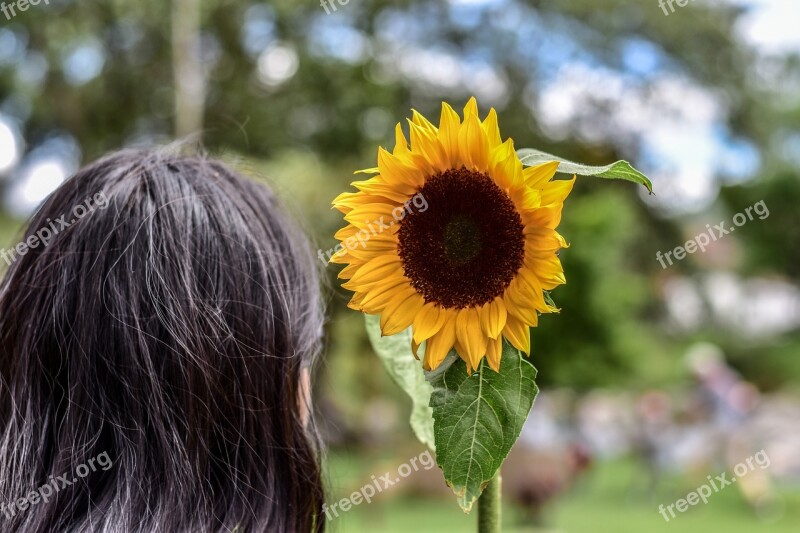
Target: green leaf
{"points": [[621, 170], [478, 418], [406, 371], [548, 299]]}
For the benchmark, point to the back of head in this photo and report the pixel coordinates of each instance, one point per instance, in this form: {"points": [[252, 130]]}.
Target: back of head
{"points": [[151, 351]]}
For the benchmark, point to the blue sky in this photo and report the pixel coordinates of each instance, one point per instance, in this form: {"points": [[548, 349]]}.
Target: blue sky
{"points": [[678, 124]]}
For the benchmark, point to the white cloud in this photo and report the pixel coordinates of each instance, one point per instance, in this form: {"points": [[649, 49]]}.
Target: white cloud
{"points": [[674, 123], [770, 25]]}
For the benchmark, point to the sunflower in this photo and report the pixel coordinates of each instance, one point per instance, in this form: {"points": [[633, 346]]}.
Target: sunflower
{"points": [[453, 237]]}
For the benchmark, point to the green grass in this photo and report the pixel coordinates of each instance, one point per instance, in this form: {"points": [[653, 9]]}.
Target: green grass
{"points": [[606, 501]]}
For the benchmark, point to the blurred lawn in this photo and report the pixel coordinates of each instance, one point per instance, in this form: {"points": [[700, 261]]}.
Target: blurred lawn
{"points": [[606, 502]]}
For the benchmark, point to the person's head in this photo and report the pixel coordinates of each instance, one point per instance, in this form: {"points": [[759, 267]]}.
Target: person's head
{"points": [[152, 348]]}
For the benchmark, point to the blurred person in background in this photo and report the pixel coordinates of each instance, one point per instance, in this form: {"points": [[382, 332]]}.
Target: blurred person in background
{"points": [[652, 436], [727, 401]]}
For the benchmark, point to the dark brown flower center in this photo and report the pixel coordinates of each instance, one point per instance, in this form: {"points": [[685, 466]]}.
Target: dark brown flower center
{"points": [[465, 249]]}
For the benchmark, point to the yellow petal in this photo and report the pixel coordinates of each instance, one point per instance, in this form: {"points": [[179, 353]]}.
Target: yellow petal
{"points": [[533, 289], [543, 242], [471, 108], [378, 296], [555, 192], [493, 318], [348, 271], [527, 198], [426, 143], [345, 232], [420, 120], [393, 169], [400, 311], [428, 322], [537, 175], [519, 305], [548, 270], [494, 351], [355, 301], [518, 334], [415, 349], [419, 161], [438, 346], [449, 125], [373, 170], [377, 269], [492, 129], [470, 337], [354, 238], [459, 350], [397, 191], [351, 231], [369, 214], [544, 217], [347, 201], [472, 144], [400, 142], [367, 248], [506, 167], [342, 256]]}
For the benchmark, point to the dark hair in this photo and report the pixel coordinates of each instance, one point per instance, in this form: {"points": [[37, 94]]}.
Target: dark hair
{"points": [[167, 329]]}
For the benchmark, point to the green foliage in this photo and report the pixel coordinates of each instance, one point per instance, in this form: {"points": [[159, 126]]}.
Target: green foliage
{"points": [[621, 170], [308, 134], [601, 336], [471, 421], [406, 371], [478, 418], [774, 242]]}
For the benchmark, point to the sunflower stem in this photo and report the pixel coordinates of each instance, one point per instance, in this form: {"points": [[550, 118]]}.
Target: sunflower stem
{"points": [[489, 506]]}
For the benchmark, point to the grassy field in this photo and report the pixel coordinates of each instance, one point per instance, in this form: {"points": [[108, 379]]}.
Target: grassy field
{"points": [[605, 502]]}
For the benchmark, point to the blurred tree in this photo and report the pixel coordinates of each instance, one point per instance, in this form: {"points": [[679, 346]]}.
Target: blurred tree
{"points": [[306, 96]]}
